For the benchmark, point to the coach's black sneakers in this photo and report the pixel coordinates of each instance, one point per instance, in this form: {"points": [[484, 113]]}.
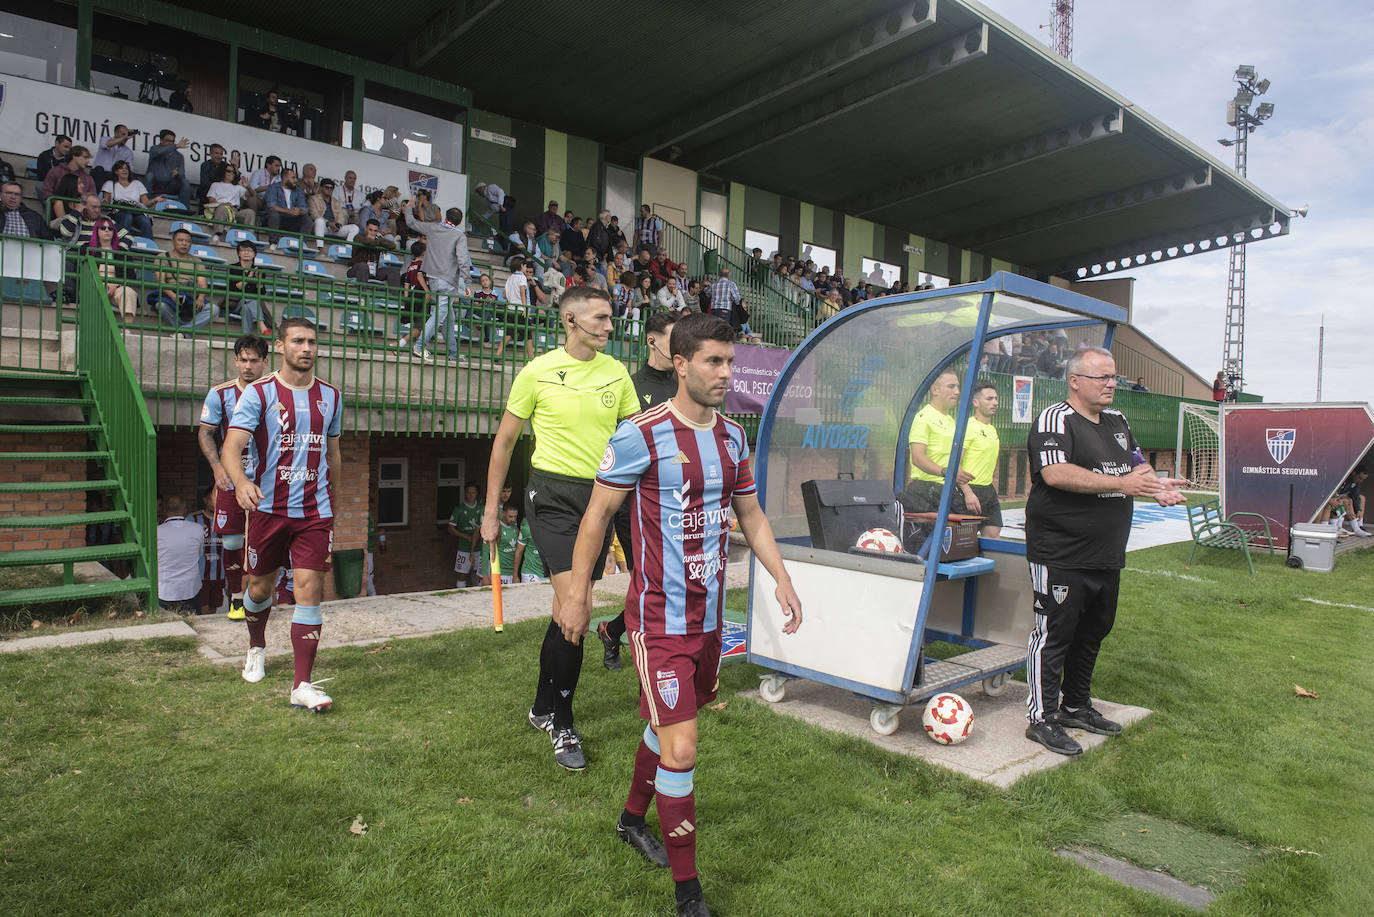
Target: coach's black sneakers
{"points": [[541, 721], [1089, 720], [641, 838], [610, 656], [1051, 735], [567, 749]]}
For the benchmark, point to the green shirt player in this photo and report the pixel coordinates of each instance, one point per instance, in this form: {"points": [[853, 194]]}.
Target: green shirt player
{"points": [[527, 556], [930, 442], [979, 458], [573, 397], [505, 543], [465, 524]]}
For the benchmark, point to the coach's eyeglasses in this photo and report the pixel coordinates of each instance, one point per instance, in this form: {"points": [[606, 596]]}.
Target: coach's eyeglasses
{"points": [[1099, 379]]}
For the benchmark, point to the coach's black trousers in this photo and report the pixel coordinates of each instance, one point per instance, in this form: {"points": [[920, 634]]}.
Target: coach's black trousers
{"points": [[1074, 612]]}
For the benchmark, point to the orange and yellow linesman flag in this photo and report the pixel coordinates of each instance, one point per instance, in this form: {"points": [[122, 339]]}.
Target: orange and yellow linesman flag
{"points": [[498, 617]]}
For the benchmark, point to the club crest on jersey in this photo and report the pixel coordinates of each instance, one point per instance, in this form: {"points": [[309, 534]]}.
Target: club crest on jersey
{"points": [[607, 461], [221, 519], [1121, 440], [321, 405], [607, 399], [1280, 443], [667, 689], [252, 559], [732, 450], [1060, 593]]}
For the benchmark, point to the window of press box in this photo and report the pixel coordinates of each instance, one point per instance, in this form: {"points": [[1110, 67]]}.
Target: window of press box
{"points": [[159, 66], [393, 491], [37, 48], [450, 488], [294, 98], [409, 127]]}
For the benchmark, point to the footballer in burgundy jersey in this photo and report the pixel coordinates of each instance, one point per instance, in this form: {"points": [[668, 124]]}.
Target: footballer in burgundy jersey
{"points": [[289, 429]]}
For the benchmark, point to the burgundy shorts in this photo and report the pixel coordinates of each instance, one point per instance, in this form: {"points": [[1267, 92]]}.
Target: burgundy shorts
{"points": [[678, 675], [229, 516], [272, 542]]}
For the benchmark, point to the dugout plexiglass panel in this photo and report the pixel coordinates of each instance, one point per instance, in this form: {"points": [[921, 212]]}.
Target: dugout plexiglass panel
{"points": [[843, 404]]}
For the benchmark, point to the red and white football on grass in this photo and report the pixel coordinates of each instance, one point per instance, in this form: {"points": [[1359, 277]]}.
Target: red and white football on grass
{"points": [[879, 540], [948, 719]]}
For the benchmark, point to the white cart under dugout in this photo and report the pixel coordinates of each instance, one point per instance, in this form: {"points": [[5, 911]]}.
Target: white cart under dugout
{"points": [[843, 406]]}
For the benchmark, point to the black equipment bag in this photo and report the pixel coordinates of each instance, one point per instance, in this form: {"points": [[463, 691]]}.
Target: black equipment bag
{"points": [[839, 511]]}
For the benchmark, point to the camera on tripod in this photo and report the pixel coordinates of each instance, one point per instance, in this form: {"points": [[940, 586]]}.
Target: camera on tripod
{"points": [[155, 73]]}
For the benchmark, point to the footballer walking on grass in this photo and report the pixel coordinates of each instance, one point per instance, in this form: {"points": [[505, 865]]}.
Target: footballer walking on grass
{"points": [[293, 421], [686, 465], [573, 397], [250, 358], [1086, 470]]}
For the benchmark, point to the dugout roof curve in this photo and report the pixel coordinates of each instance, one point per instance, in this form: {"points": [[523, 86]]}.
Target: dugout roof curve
{"points": [[1000, 146]]}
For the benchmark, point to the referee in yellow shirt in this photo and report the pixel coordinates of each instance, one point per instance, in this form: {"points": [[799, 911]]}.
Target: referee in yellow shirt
{"points": [[979, 459], [930, 442], [573, 397]]}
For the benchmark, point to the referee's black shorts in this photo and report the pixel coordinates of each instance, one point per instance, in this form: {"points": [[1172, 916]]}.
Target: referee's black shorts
{"points": [[554, 506], [988, 503]]}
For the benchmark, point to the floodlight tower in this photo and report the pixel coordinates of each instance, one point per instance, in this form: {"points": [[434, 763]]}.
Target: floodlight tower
{"points": [[1239, 116], [1061, 28]]}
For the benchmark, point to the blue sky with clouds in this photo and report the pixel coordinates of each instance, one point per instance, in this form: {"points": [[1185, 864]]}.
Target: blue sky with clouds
{"points": [[1175, 58]]}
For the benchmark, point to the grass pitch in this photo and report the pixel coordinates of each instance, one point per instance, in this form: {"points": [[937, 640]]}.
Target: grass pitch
{"points": [[139, 779]]}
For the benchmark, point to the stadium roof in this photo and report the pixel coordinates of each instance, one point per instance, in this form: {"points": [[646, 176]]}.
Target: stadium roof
{"points": [[935, 116]]}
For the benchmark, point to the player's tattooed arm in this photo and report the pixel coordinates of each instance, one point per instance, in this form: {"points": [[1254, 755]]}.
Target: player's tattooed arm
{"points": [[245, 491], [206, 437]]}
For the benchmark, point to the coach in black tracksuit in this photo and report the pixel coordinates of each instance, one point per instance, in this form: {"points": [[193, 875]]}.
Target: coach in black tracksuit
{"points": [[655, 383], [1086, 468]]}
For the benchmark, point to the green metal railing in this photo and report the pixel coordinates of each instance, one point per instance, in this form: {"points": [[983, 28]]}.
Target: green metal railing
{"points": [[126, 430], [779, 311], [32, 272]]}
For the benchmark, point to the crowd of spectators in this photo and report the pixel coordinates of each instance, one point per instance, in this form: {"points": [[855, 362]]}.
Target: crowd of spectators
{"points": [[1032, 353]]}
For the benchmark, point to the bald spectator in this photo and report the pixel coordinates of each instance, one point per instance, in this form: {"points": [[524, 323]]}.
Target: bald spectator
{"points": [[15, 218]]}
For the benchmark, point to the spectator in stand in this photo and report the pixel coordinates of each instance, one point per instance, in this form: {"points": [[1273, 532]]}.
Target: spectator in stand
{"points": [[448, 268], [425, 208], [615, 268], [1219, 387], [494, 201], [599, 236], [1050, 362], [830, 304], [525, 245], [310, 183], [59, 154], [180, 100], [642, 263], [522, 293], [669, 297], [1139, 385], [662, 268], [17, 219], [286, 208], [209, 169], [270, 116], [574, 241], [180, 559], [254, 315], [417, 286], [374, 211], [725, 295], [621, 293], [167, 168], [77, 225], [327, 214], [351, 197], [596, 275], [78, 164], [618, 240], [258, 183], [128, 192], [648, 230], [224, 198], [182, 302], [549, 220], [367, 250], [692, 296], [115, 267], [110, 150], [548, 247]]}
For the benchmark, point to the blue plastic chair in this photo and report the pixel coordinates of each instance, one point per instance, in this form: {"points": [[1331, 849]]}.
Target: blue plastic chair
{"points": [[341, 253], [234, 236], [390, 259], [145, 244], [292, 246], [31, 169], [266, 263], [171, 206], [207, 254], [197, 234]]}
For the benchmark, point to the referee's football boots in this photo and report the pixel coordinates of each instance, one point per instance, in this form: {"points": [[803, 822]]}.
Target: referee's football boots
{"points": [[567, 749], [610, 656], [1050, 734]]}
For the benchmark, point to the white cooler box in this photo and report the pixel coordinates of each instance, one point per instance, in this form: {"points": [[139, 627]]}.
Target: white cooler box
{"points": [[1313, 546]]}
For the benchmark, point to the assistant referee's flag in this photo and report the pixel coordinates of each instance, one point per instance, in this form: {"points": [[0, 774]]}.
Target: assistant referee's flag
{"points": [[498, 618]]}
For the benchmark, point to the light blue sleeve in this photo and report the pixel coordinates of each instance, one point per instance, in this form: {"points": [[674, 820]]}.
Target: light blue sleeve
{"points": [[336, 421], [248, 411], [212, 412], [626, 458]]}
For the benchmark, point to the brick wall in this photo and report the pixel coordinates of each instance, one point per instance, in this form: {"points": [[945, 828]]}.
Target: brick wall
{"points": [[43, 503]]}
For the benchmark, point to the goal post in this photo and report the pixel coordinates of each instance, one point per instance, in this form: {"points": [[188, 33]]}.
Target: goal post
{"points": [[1197, 453]]}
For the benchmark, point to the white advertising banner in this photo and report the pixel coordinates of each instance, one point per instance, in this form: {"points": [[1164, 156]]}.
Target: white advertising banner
{"points": [[33, 113]]}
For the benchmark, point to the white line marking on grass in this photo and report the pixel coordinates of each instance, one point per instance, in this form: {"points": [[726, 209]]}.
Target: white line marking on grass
{"points": [[1169, 573], [1338, 604]]}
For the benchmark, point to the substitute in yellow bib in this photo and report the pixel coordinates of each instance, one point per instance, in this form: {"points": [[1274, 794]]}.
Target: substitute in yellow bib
{"points": [[573, 397], [979, 459], [930, 442]]}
